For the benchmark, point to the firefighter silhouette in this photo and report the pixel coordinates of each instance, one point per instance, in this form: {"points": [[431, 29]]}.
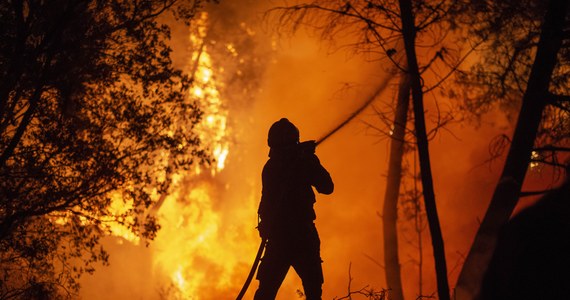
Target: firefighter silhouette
{"points": [[286, 212]]}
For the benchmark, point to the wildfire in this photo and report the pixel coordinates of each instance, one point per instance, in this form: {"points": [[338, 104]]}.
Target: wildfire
{"points": [[118, 206], [197, 254], [213, 129], [194, 248]]}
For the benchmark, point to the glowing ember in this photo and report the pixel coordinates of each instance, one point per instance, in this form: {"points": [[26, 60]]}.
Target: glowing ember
{"points": [[534, 164]]}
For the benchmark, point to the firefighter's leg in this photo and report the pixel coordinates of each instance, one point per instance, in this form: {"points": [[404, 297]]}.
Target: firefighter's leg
{"points": [[307, 264], [272, 271], [311, 274]]}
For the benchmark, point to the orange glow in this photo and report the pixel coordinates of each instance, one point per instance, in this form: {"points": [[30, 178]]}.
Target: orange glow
{"points": [[194, 253], [109, 223], [191, 244], [207, 240], [213, 130]]}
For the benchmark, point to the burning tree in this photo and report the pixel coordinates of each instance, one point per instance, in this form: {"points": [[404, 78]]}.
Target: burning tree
{"points": [[92, 116], [224, 61]]}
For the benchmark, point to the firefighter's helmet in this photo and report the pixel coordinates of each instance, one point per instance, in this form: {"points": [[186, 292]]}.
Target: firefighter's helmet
{"points": [[282, 133]]}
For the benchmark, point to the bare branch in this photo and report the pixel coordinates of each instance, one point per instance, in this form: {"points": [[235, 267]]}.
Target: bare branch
{"points": [[552, 163], [392, 15], [453, 67], [551, 148], [558, 98], [435, 15], [302, 9], [533, 193], [367, 292]]}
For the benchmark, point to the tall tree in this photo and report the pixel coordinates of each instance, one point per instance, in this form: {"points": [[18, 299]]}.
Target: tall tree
{"points": [[391, 195], [519, 32], [409, 34], [91, 112]]}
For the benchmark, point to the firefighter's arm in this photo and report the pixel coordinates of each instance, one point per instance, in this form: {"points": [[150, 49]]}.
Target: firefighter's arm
{"points": [[320, 177]]}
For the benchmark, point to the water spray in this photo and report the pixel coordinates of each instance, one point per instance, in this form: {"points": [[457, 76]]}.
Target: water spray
{"points": [[261, 248]]}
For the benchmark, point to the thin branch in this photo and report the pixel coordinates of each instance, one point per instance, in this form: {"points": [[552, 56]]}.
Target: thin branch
{"points": [[533, 193], [379, 38], [453, 67], [559, 105], [369, 293], [551, 148], [345, 12], [437, 13], [437, 55], [547, 162], [558, 98], [392, 15], [374, 260]]}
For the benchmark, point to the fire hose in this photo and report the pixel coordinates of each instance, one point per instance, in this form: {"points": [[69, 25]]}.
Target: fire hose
{"points": [[261, 248]]}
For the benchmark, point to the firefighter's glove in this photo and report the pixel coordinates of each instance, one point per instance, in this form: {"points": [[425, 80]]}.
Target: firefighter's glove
{"points": [[308, 147]]}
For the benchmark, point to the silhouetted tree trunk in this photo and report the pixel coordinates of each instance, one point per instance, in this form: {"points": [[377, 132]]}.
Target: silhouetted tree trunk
{"points": [[390, 210], [506, 194], [409, 34]]}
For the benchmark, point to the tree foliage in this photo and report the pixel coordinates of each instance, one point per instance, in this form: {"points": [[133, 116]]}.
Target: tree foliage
{"points": [[508, 34], [373, 28], [91, 112]]}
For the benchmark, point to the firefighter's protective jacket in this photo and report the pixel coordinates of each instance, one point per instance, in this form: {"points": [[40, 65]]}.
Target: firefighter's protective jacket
{"points": [[287, 194]]}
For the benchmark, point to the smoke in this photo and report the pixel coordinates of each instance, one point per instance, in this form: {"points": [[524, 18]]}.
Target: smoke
{"points": [[208, 225]]}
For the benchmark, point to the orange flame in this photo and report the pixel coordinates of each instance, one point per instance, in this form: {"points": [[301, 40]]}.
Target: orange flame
{"points": [[194, 248], [196, 254]]}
